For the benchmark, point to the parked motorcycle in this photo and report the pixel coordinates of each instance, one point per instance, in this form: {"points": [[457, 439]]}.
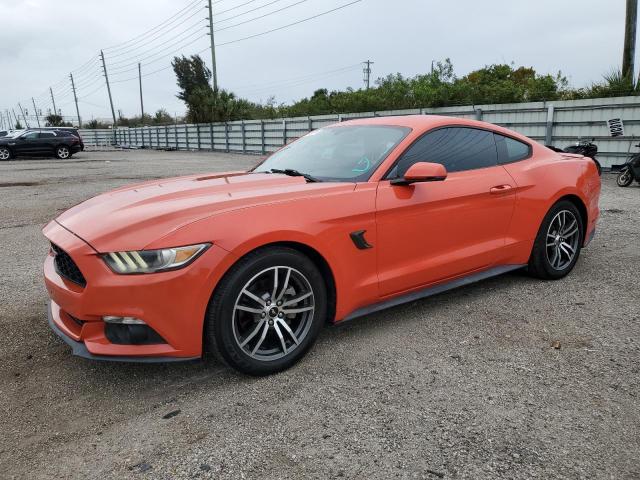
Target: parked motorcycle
{"points": [[630, 171], [586, 148], [581, 147]]}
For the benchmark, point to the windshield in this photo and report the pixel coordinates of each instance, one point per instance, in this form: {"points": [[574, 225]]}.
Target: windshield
{"points": [[341, 153]]}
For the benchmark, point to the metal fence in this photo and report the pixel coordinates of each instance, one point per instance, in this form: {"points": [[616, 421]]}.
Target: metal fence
{"points": [[556, 123]]}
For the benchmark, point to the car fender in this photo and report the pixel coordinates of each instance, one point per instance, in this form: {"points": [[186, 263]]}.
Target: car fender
{"points": [[540, 184], [326, 231]]}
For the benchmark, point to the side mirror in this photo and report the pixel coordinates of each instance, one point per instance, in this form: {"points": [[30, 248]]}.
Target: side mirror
{"points": [[422, 172]]}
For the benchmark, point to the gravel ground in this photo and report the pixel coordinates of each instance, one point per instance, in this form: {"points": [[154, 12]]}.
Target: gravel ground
{"points": [[467, 384]]}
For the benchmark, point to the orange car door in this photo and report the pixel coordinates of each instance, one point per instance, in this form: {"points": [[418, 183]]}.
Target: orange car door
{"points": [[430, 232]]}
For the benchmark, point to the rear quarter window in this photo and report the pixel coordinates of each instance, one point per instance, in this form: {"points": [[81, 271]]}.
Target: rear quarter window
{"points": [[511, 150]]}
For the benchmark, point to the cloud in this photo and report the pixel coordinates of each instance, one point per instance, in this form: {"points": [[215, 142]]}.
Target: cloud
{"points": [[42, 41]]}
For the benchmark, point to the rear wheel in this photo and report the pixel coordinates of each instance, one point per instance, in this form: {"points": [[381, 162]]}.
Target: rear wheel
{"points": [[5, 153], [625, 178], [558, 243], [267, 311], [63, 152]]}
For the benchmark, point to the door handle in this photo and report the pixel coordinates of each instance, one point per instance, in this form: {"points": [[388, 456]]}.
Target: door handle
{"points": [[500, 189]]}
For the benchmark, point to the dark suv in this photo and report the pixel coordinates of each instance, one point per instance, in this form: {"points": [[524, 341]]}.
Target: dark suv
{"points": [[67, 131], [44, 142]]}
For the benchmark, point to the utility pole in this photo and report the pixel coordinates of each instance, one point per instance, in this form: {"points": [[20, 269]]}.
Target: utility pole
{"points": [[55, 110], [23, 116], [629, 52], [214, 69], [36, 111], [141, 103], [106, 77], [16, 117], [75, 98], [367, 73]]}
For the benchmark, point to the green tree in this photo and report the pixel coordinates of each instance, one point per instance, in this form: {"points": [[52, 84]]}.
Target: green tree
{"points": [[162, 117], [498, 83], [95, 124], [53, 120], [206, 105]]}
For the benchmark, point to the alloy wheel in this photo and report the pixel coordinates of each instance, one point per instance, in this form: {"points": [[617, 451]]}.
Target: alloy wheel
{"points": [[563, 237], [273, 313], [63, 152], [5, 154]]}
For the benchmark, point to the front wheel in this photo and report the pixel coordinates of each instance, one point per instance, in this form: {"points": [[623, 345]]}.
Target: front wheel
{"points": [[5, 153], [625, 178], [558, 243], [63, 152], [267, 311]]}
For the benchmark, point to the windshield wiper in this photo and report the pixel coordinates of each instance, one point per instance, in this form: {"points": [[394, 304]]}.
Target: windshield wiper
{"points": [[295, 173]]}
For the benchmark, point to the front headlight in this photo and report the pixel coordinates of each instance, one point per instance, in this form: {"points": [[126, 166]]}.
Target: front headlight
{"points": [[150, 261]]}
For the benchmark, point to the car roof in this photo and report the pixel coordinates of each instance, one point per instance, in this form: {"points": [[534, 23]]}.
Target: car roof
{"points": [[422, 123], [53, 128]]}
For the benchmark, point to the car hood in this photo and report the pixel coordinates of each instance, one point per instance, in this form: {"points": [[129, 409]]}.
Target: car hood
{"points": [[132, 217]]}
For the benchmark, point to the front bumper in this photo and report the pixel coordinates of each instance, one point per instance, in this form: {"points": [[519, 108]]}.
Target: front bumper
{"points": [[79, 349], [171, 303]]}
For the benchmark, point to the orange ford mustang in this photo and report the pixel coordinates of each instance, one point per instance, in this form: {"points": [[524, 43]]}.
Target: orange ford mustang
{"points": [[347, 220]]}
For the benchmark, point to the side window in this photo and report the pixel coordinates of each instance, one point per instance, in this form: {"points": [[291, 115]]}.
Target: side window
{"points": [[457, 148], [47, 134], [510, 150], [30, 136]]}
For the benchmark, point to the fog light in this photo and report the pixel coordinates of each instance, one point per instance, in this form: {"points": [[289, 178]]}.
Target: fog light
{"points": [[123, 320]]}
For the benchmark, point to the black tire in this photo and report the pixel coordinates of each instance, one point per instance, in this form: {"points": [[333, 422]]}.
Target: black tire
{"points": [[5, 154], [222, 321], [63, 152], [540, 265], [625, 178]]}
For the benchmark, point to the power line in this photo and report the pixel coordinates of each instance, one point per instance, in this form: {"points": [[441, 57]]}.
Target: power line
{"points": [[261, 16], [247, 38], [278, 88], [86, 76], [141, 56], [149, 42], [244, 13], [100, 87], [134, 60], [236, 7], [121, 69], [290, 24], [169, 21], [309, 76]]}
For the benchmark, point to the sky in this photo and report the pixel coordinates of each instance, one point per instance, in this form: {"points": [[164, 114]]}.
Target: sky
{"points": [[42, 41]]}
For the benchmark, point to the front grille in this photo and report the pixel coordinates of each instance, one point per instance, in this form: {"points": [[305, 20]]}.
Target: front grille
{"points": [[66, 267]]}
